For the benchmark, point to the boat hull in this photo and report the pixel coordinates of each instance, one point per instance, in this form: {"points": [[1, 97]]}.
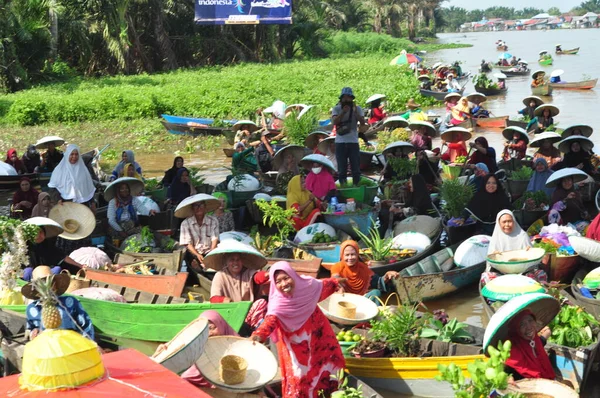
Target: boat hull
{"points": [[170, 285], [185, 120], [170, 262], [545, 89], [438, 95], [572, 51], [12, 182], [195, 131], [510, 73], [590, 305], [516, 123], [228, 152], [400, 265], [491, 91], [545, 62], [582, 85], [491, 122], [345, 222]]}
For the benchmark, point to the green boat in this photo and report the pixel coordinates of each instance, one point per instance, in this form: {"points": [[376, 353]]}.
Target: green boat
{"points": [[546, 61]]}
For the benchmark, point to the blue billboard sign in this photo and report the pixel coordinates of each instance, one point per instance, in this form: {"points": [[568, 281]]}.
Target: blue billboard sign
{"points": [[220, 12]]}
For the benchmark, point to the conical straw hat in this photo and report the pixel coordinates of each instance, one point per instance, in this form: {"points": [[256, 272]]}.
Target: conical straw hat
{"points": [[296, 150], [77, 220], [43, 142], [51, 228], [60, 282], [565, 145], [538, 100], [555, 178], [184, 209], [308, 160], [251, 258], [135, 187], [586, 130], [312, 140]]}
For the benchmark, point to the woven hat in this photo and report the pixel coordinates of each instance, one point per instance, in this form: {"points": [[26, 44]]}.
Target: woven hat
{"points": [[543, 306], [508, 132], [251, 258], [262, 365], [185, 348], [538, 100], [565, 145], [323, 146], [424, 77], [296, 150], [43, 142], [506, 287], [77, 220], [450, 134], [365, 308], [586, 130], [244, 125], [60, 282], [500, 76], [51, 228], [402, 145], [452, 95], [522, 61], [294, 108], [394, 122], [430, 130], [536, 74], [547, 135], [540, 110], [136, 187], [541, 388], [557, 72], [374, 97], [184, 209], [543, 52], [477, 98], [577, 175], [411, 104], [312, 140], [308, 160]]}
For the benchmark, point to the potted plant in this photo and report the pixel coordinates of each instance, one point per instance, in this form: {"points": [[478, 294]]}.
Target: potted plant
{"points": [[518, 180], [344, 390], [454, 197], [198, 181], [530, 207], [379, 250], [278, 217]]}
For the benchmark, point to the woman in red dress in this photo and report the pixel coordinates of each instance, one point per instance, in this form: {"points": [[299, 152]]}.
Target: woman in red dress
{"points": [[308, 349]]}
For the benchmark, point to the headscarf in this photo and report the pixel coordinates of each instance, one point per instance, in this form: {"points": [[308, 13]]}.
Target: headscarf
{"points": [[461, 109], [516, 240], [224, 328], [420, 197], [121, 165], [489, 159], [297, 196], [73, 181], [538, 180], [593, 231], [28, 196], [528, 361], [17, 164], [358, 276], [178, 191], [574, 207], [573, 159], [135, 173], [486, 205], [171, 173], [294, 311], [40, 210], [320, 184], [123, 203]]}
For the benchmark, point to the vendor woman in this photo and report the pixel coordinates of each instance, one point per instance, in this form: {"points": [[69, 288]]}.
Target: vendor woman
{"points": [[508, 234], [356, 277]]}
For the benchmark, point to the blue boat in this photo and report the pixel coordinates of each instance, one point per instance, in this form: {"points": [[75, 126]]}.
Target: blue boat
{"points": [[186, 120], [362, 219]]}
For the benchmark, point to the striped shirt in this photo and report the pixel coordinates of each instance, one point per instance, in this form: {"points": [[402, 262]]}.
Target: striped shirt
{"points": [[201, 236]]}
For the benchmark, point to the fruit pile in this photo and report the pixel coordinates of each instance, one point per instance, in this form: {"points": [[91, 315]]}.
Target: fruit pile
{"points": [[322, 237], [349, 336]]}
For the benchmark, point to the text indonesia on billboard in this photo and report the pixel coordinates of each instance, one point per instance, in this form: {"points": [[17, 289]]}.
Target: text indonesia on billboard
{"points": [[219, 12]]}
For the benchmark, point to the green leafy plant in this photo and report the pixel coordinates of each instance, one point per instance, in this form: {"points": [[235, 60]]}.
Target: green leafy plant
{"points": [[141, 244], [279, 217], [151, 184], [400, 330], [531, 200], [485, 377], [574, 327], [521, 174], [264, 244], [455, 196], [386, 137], [296, 130], [481, 80], [403, 167], [379, 248], [196, 179], [453, 331], [344, 390]]}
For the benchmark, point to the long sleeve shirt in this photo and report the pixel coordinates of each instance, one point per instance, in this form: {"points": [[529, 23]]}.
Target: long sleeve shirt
{"points": [[111, 213]]}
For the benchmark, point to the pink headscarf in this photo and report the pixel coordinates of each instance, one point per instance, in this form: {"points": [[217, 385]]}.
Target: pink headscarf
{"points": [[219, 322], [320, 184], [293, 311]]}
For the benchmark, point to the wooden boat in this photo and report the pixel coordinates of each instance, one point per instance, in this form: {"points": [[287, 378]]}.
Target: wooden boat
{"points": [[170, 262], [185, 120], [591, 305], [12, 337], [501, 67], [363, 220], [12, 182], [545, 89], [425, 280], [194, 131], [573, 364], [510, 73], [228, 152], [546, 61], [438, 95], [491, 91], [582, 85], [516, 123], [568, 52], [416, 376]]}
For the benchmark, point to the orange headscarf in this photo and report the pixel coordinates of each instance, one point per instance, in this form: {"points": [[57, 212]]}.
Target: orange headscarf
{"points": [[358, 276]]}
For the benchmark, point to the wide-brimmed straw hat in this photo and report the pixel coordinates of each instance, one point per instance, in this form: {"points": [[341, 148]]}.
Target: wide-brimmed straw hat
{"points": [[418, 124], [43, 142], [573, 172], [557, 72], [543, 307], [411, 104], [522, 61], [365, 308], [244, 125], [405, 147], [508, 133], [477, 98], [452, 95], [394, 122], [308, 160], [424, 77], [251, 258], [312, 140], [586, 130], [543, 52], [547, 135], [375, 97], [499, 75], [565, 145], [537, 73], [184, 209], [60, 282], [296, 150], [540, 110], [77, 220], [450, 134], [51, 228], [135, 187], [538, 100], [295, 107], [323, 146], [261, 368]]}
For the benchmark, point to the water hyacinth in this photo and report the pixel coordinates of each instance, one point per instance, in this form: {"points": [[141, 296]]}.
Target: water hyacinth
{"points": [[13, 246]]}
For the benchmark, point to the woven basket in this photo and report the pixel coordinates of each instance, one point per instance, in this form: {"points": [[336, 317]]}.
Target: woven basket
{"points": [[232, 369], [77, 281], [346, 310]]}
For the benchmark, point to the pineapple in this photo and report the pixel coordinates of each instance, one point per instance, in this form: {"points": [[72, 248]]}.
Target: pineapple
{"points": [[51, 318]]}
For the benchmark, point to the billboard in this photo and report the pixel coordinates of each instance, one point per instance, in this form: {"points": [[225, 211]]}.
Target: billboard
{"points": [[220, 12]]}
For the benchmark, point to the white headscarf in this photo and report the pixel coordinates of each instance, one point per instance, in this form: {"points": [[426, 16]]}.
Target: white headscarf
{"points": [[73, 181], [516, 240]]}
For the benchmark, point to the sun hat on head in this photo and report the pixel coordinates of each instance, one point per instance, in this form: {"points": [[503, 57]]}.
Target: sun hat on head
{"points": [[538, 100], [449, 135], [251, 258], [296, 150], [60, 282], [508, 132], [557, 72], [323, 146], [573, 172], [312, 140], [184, 209], [239, 145], [136, 187], [51, 228], [394, 122], [424, 77], [546, 135], [308, 160], [347, 91], [586, 130], [451, 95], [418, 124], [537, 73], [405, 147], [375, 97], [277, 109], [77, 220], [450, 74], [477, 98], [244, 125], [43, 142], [539, 111], [565, 145]]}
